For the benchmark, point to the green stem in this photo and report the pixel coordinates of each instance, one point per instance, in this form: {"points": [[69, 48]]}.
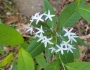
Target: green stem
{"points": [[62, 63]]}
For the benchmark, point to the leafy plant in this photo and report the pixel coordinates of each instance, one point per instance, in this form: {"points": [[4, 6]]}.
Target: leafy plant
{"points": [[51, 40]]}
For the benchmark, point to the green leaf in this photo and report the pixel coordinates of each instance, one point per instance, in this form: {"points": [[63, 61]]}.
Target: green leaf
{"points": [[24, 45], [79, 41], [6, 60], [14, 66], [76, 52], [55, 65], [35, 48], [41, 61], [79, 1], [84, 12], [82, 3], [47, 7], [10, 36], [67, 57], [69, 16], [37, 67], [1, 49], [48, 53], [78, 66], [0, 21], [25, 61], [1, 68]]}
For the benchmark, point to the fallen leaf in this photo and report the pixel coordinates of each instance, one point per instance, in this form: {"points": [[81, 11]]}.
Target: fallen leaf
{"points": [[71, 0], [11, 20]]}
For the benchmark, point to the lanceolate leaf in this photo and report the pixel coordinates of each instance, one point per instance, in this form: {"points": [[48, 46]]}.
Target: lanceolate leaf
{"points": [[67, 57], [35, 48], [79, 41], [84, 12], [10, 36], [69, 16], [6, 60], [47, 7], [25, 61], [76, 52], [48, 53], [53, 66], [78, 66]]}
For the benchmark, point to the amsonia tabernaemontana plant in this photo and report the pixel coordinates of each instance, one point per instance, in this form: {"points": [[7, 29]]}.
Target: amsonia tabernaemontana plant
{"points": [[49, 35]]}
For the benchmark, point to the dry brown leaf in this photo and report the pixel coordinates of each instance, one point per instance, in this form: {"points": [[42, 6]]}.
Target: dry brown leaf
{"points": [[1, 7], [11, 20], [71, 0], [6, 49]]}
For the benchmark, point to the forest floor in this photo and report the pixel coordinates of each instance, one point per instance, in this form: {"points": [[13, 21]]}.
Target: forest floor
{"points": [[9, 15]]}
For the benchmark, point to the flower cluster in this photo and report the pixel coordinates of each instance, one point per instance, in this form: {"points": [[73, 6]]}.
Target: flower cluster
{"points": [[41, 37], [65, 45], [40, 17], [39, 34]]}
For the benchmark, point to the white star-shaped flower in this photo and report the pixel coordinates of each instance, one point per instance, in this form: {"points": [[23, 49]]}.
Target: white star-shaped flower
{"points": [[31, 21], [60, 49], [41, 37], [67, 46], [70, 48], [52, 49], [30, 29], [33, 18], [68, 33], [46, 41], [37, 17], [40, 31], [71, 36], [49, 16]]}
